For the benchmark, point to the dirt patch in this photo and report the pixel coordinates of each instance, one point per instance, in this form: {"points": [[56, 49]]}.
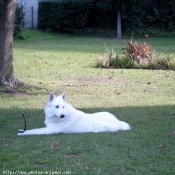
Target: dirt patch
{"points": [[72, 155], [95, 80]]}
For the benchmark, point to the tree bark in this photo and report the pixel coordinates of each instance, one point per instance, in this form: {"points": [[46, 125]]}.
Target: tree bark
{"points": [[7, 14], [119, 30]]}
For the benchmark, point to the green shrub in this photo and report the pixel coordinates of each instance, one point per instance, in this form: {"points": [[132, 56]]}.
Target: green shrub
{"points": [[102, 61], [135, 56], [161, 61], [113, 59], [19, 22]]}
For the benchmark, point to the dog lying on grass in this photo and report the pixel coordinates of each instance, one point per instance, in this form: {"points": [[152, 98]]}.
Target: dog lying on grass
{"points": [[61, 117]]}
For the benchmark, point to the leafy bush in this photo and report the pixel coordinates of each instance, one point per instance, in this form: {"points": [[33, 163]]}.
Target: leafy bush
{"points": [[135, 56], [102, 61], [165, 62], [138, 52], [19, 21], [112, 58]]}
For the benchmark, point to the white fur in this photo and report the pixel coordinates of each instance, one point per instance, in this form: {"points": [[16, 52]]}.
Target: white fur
{"points": [[61, 117]]}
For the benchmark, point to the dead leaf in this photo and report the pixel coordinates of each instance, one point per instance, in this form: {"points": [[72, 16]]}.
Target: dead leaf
{"points": [[72, 155], [53, 146], [162, 146], [173, 132], [57, 143]]}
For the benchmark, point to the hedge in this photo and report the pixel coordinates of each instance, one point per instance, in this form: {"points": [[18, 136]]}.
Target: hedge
{"points": [[67, 15], [139, 16]]}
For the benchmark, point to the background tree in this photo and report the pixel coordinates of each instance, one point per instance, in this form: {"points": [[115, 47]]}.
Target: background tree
{"points": [[7, 14], [119, 27]]}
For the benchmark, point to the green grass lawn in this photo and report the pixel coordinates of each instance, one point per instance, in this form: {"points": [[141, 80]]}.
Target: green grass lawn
{"points": [[143, 98]]}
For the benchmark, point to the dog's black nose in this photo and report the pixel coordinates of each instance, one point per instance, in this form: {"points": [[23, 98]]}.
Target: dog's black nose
{"points": [[62, 116]]}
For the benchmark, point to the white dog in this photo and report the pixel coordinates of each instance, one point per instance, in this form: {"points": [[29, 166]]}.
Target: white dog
{"points": [[61, 117]]}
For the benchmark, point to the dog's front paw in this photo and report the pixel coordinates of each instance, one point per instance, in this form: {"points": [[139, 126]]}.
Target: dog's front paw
{"points": [[20, 132]]}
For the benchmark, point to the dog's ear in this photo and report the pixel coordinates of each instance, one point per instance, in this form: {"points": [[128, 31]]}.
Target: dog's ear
{"points": [[51, 96], [64, 96]]}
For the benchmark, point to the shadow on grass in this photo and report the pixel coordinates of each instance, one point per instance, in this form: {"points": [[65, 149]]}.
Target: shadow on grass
{"points": [[140, 118], [137, 151]]}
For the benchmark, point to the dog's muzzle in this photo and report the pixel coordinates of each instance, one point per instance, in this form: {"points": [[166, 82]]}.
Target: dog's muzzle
{"points": [[62, 116]]}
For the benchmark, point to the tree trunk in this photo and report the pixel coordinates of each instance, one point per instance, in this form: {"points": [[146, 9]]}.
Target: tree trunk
{"points": [[119, 30], [7, 14]]}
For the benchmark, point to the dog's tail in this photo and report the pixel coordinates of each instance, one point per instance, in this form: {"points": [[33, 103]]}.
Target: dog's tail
{"points": [[124, 126]]}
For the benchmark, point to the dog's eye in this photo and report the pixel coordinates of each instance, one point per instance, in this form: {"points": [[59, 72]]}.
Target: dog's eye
{"points": [[57, 106]]}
